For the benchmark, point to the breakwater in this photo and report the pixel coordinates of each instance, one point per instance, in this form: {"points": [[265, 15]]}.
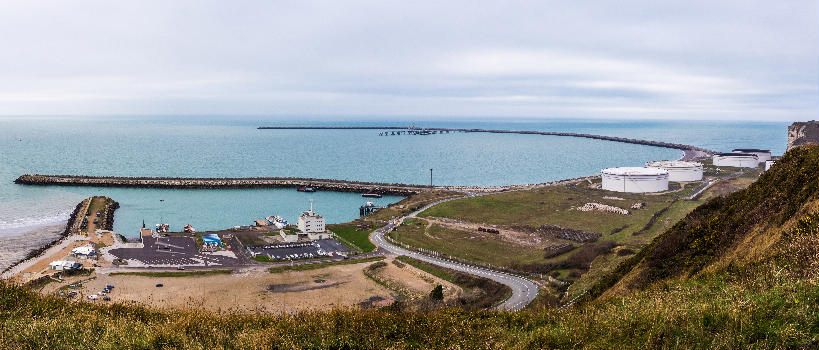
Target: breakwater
{"points": [[691, 151], [206, 183], [271, 182]]}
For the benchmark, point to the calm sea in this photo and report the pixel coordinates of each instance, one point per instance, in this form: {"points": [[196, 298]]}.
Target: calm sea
{"points": [[233, 147]]}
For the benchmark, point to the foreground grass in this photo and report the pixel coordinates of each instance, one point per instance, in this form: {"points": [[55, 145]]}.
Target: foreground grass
{"points": [[174, 273], [721, 311], [305, 267]]}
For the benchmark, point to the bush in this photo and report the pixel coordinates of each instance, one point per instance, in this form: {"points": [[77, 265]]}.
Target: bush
{"points": [[437, 293], [584, 257]]}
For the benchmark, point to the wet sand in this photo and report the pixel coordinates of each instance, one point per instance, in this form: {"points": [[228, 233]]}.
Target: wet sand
{"points": [[15, 247]]}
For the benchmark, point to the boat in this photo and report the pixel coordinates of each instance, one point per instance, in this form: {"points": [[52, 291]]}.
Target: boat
{"points": [[371, 195], [189, 229], [306, 189]]}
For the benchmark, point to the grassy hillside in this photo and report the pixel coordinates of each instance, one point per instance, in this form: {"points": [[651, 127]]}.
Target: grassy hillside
{"points": [[747, 223]]}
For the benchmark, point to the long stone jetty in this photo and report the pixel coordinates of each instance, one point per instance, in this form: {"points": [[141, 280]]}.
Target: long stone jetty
{"points": [[690, 152], [272, 182], [245, 182]]}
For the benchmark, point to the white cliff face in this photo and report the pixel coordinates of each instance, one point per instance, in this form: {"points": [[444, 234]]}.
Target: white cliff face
{"points": [[800, 133]]}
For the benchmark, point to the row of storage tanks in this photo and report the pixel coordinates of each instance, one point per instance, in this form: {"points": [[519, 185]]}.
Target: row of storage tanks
{"points": [[654, 177]]}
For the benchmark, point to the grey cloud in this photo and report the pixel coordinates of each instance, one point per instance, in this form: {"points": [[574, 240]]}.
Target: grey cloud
{"points": [[668, 59]]}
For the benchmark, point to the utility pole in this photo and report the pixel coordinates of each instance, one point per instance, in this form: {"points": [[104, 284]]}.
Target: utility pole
{"points": [[430, 177]]}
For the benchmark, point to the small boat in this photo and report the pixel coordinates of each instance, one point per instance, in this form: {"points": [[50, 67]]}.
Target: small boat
{"points": [[371, 195], [306, 189], [189, 229]]}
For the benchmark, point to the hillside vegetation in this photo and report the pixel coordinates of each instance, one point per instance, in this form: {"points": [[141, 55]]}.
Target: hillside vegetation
{"points": [[741, 271]]}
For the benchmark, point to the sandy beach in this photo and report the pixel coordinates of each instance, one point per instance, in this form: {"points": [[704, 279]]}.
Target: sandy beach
{"points": [[15, 247]]}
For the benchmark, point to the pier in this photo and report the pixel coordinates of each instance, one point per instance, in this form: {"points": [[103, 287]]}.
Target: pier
{"points": [[690, 152]]}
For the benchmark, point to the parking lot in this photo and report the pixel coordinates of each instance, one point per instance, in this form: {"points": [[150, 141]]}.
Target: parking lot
{"points": [[299, 250], [172, 251]]}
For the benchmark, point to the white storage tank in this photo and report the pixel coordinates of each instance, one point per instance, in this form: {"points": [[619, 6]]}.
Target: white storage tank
{"points": [[679, 171], [739, 160], [635, 179], [762, 155], [769, 164]]}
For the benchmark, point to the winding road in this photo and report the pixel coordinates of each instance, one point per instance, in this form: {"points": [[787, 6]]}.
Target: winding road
{"points": [[523, 290]]}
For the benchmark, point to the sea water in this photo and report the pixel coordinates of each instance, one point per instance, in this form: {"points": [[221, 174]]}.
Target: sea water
{"points": [[234, 147]]}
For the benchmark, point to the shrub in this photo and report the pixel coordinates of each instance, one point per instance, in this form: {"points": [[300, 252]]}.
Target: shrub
{"points": [[437, 293]]}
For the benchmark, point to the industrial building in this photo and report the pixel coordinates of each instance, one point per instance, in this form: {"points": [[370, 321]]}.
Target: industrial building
{"points": [[739, 160], [762, 155], [635, 179], [679, 171]]}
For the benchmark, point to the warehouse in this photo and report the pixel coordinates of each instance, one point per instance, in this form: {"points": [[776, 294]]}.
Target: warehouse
{"points": [[762, 155], [635, 179], [739, 160], [679, 171]]}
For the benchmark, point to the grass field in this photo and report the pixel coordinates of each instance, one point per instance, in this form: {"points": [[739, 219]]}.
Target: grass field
{"points": [[174, 273], [360, 239], [471, 246], [552, 205], [305, 267]]}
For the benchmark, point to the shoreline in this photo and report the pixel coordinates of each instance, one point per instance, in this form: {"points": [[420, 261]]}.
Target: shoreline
{"points": [[14, 248]]}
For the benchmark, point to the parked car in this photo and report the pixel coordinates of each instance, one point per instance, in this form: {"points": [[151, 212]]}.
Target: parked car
{"points": [[106, 298], [110, 286], [93, 297], [159, 284]]}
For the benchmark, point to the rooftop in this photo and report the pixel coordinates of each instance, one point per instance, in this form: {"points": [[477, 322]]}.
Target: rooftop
{"points": [[751, 150], [635, 171], [735, 154], [673, 164]]}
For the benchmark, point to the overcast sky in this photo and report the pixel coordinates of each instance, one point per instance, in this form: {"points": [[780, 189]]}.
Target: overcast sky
{"points": [[734, 60]]}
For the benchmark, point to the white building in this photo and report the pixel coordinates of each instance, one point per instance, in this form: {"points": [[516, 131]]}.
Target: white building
{"points": [[762, 155], [310, 222], [635, 179], [64, 265], [739, 160], [679, 171], [84, 252]]}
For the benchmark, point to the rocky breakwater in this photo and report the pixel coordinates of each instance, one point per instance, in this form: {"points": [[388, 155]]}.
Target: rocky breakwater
{"points": [[266, 182]]}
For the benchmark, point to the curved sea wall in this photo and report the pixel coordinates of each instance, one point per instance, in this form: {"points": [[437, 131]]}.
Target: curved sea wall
{"points": [[500, 131]]}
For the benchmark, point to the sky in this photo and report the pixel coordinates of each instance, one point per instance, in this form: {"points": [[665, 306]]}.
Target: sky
{"points": [[725, 60]]}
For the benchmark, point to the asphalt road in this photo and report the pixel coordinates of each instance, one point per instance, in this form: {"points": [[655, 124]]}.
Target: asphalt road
{"points": [[523, 290]]}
